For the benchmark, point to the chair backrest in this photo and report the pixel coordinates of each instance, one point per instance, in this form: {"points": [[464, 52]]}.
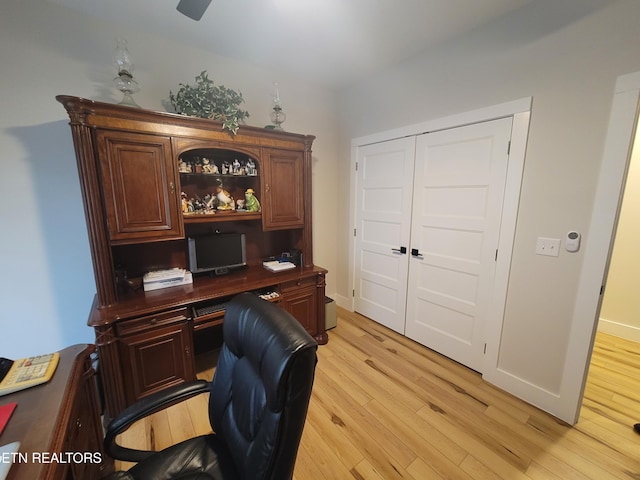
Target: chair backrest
{"points": [[261, 387]]}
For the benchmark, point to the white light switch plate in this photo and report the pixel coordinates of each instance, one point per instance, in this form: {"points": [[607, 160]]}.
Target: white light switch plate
{"points": [[548, 246]]}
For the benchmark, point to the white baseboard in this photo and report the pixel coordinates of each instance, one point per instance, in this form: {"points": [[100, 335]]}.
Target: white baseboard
{"points": [[621, 330], [344, 302]]}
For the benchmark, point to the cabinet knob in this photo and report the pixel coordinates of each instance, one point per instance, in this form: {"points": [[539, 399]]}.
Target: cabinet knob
{"points": [[186, 351], [267, 187], [172, 187]]}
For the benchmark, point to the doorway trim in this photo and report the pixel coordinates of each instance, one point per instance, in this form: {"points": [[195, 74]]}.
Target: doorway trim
{"points": [[598, 247]]}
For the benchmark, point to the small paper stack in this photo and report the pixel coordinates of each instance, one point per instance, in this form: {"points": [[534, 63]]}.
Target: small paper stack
{"points": [[276, 266], [166, 278]]}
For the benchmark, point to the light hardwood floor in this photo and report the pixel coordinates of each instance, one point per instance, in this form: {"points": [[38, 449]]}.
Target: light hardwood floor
{"points": [[384, 407]]}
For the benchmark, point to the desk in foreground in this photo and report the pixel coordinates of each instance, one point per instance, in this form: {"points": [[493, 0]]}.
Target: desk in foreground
{"points": [[58, 424]]}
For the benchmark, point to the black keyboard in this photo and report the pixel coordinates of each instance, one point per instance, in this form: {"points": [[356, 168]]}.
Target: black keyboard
{"points": [[209, 309], [5, 366]]}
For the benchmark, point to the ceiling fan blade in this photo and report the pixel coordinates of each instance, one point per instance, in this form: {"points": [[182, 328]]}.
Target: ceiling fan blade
{"points": [[193, 9]]}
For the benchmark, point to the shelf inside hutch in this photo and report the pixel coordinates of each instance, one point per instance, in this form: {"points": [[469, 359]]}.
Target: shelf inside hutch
{"points": [[221, 217], [214, 183]]}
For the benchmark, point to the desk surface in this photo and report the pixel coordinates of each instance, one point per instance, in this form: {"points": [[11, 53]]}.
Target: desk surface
{"points": [[202, 289], [42, 415]]}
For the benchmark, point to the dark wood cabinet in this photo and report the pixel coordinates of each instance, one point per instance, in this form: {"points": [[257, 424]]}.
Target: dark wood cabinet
{"points": [[302, 304], [142, 175], [300, 298], [283, 190], [156, 352], [85, 430], [140, 186]]}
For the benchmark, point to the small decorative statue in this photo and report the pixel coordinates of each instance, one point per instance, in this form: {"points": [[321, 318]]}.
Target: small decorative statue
{"points": [[192, 205], [208, 167], [185, 202], [236, 167], [251, 167], [184, 167], [225, 200], [252, 204], [210, 203]]}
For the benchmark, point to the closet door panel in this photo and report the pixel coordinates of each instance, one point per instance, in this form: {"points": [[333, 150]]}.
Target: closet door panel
{"points": [[457, 207], [383, 222]]}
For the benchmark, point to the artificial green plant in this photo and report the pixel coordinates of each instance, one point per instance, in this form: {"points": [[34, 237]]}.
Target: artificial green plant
{"points": [[206, 100]]}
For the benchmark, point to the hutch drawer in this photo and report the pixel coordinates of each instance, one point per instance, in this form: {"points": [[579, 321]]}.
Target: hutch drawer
{"points": [[148, 322]]}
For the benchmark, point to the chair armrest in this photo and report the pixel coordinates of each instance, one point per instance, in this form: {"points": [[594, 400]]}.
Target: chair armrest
{"points": [[143, 408]]}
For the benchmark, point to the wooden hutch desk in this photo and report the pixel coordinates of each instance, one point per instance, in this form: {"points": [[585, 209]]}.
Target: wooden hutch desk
{"points": [[131, 164], [59, 416]]}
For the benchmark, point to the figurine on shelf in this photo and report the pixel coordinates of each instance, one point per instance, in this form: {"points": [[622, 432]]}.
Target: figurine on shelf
{"points": [[236, 167], [225, 200], [251, 202], [208, 167], [226, 168], [240, 205], [184, 167], [251, 168], [196, 205], [210, 202], [185, 202]]}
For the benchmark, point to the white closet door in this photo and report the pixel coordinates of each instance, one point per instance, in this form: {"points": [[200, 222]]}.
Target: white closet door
{"points": [[383, 222], [457, 207]]}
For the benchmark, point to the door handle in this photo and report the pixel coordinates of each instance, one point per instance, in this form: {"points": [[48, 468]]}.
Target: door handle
{"points": [[401, 250], [416, 253]]}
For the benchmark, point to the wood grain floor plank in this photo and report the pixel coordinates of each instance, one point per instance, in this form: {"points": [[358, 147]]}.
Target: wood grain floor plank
{"points": [[332, 370], [364, 428], [368, 378], [198, 408], [477, 470], [180, 422], [568, 444], [334, 433], [420, 469], [468, 440], [554, 469], [365, 471], [428, 440], [305, 466], [325, 456]]}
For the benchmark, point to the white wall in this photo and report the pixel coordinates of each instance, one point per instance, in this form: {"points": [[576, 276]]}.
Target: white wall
{"points": [[569, 69], [47, 284], [620, 313]]}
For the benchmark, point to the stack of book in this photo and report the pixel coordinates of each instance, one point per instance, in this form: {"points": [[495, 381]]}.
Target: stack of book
{"points": [[276, 266], [166, 278]]}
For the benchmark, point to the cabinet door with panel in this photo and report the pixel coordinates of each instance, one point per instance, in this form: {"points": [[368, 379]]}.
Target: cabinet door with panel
{"points": [[84, 433], [300, 298], [140, 187], [283, 204], [156, 352]]}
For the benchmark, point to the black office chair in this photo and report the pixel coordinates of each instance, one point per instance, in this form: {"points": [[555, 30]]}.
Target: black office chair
{"points": [[257, 408]]}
